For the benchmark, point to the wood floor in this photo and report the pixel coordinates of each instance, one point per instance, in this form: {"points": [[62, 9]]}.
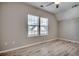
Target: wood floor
{"points": [[52, 48]]}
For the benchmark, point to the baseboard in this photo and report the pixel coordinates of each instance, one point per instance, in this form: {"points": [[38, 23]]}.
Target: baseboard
{"points": [[29, 45], [69, 40]]}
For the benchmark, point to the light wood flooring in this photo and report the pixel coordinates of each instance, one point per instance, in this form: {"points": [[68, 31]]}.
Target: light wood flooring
{"points": [[52, 48]]}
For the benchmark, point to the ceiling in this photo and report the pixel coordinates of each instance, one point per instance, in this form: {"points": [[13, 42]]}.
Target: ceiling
{"points": [[63, 6]]}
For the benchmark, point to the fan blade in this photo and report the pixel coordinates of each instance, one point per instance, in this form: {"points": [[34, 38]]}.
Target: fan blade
{"points": [[49, 4], [74, 5]]}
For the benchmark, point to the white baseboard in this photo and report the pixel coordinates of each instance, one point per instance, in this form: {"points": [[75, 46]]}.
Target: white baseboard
{"points": [[29, 45], [69, 40]]}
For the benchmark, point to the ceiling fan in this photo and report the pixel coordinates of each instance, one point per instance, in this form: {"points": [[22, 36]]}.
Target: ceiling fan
{"points": [[49, 4]]}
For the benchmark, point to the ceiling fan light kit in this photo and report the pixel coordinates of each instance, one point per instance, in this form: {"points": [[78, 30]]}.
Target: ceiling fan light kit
{"points": [[57, 5]]}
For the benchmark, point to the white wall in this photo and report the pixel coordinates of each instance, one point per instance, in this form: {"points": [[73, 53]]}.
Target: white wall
{"points": [[69, 29], [69, 14], [14, 25], [0, 25], [69, 24]]}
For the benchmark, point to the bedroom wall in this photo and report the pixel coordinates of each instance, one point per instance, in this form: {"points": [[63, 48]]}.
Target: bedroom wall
{"points": [[69, 24], [0, 25], [14, 25]]}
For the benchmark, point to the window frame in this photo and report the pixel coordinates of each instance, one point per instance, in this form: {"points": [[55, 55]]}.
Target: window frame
{"points": [[32, 25], [38, 27]]}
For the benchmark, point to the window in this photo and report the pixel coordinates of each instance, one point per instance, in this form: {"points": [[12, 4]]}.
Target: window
{"points": [[37, 25], [33, 25], [43, 26]]}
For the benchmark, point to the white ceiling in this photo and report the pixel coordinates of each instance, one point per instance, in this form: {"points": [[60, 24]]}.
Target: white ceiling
{"points": [[63, 6]]}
